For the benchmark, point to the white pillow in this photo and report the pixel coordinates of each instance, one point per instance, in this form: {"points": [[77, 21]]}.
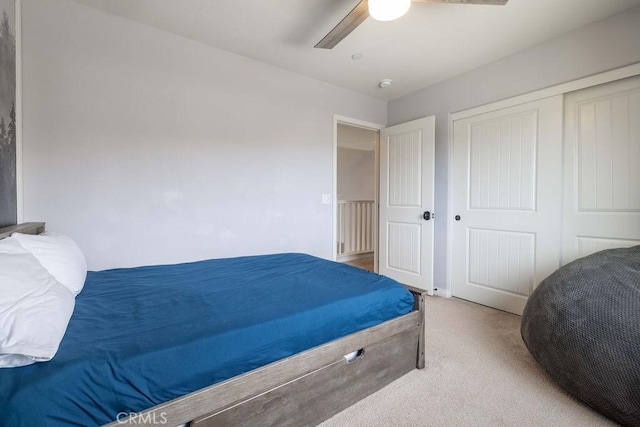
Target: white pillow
{"points": [[59, 255], [34, 308]]}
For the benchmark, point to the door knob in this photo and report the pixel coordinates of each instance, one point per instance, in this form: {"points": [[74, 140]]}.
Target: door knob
{"points": [[457, 217], [426, 215]]}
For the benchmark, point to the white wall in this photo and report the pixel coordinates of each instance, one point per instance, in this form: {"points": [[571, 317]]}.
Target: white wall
{"points": [[148, 148], [356, 163], [356, 174], [607, 44]]}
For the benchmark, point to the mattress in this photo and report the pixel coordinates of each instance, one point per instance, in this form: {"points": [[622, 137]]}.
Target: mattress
{"points": [[142, 336]]}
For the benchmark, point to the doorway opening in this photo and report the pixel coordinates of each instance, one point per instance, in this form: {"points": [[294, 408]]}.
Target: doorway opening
{"points": [[356, 195]]}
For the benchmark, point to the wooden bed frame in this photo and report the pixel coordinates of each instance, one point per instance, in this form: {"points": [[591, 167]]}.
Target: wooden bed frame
{"points": [[27, 228], [304, 389]]}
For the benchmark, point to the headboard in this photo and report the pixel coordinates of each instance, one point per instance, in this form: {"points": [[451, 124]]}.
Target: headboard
{"points": [[26, 228]]}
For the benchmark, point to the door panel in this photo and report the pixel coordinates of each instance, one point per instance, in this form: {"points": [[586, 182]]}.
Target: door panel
{"points": [[507, 194], [591, 245], [405, 168], [602, 168], [406, 192], [405, 247], [502, 260], [502, 162]]}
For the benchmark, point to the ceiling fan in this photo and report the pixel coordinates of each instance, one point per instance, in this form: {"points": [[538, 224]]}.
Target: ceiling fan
{"points": [[382, 10]]}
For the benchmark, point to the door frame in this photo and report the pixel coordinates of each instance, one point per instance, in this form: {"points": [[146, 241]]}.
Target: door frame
{"points": [[349, 121], [561, 89]]}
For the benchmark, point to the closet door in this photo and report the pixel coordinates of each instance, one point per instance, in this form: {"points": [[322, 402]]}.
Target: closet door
{"points": [[602, 168], [506, 201]]}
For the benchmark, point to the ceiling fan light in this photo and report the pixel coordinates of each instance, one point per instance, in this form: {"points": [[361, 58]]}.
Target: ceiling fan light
{"points": [[388, 10]]}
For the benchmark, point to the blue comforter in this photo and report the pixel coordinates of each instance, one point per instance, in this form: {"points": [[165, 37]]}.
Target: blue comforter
{"points": [[142, 336]]}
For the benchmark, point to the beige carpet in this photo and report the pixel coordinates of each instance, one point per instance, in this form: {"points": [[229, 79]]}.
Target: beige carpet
{"points": [[478, 373]]}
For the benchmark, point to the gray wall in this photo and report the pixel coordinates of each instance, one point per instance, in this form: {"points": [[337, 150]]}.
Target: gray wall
{"points": [[356, 163], [607, 44], [148, 148], [356, 174]]}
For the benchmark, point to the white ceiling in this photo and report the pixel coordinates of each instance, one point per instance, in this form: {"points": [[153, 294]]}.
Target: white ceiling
{"points": [[431, 43]]}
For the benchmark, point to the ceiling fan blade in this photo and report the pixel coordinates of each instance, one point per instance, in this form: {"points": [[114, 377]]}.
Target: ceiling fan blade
{"points": [[348, 24], [489, 2]]}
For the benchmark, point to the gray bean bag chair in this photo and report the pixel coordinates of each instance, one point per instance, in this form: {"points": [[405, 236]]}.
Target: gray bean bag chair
{"points": [[582, 324]]}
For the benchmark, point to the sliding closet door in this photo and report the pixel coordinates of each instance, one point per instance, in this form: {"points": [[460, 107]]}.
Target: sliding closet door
{"points": [[602, 168], [506, 202]]}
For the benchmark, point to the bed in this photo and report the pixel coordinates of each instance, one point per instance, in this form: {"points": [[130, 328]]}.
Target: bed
{"points": [[283, 365]]}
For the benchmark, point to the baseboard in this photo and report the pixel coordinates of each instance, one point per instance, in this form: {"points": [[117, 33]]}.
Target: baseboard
{"points": [[442, 292], [346, 258]]}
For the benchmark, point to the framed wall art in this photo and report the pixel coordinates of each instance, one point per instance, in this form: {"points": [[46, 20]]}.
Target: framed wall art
{"points": [[8, 127]]}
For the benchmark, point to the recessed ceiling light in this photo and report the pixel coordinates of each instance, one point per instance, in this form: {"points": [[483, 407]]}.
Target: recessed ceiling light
{"points": [[384, 83], [357, 56]]}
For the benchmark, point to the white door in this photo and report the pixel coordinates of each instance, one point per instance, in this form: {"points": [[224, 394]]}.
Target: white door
{"points": [[506, 201], [602, 169], [406, 202]]}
